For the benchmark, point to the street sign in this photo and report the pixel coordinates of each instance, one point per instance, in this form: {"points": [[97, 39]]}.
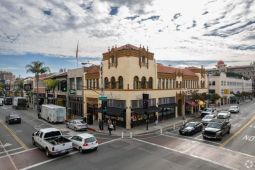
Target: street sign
{"points": [[102, 98], [72, 91]]}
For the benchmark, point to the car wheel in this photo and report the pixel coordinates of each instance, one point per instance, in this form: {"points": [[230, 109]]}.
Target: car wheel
{"points": [[228, 131], [96, 148], [80, 150], [67, 126], [47, 153], [33, 142]]}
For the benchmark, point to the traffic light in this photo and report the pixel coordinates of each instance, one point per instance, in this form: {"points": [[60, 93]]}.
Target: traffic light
{"points": [[145, 104], [145, 101], [63, 86], [104, 106]]}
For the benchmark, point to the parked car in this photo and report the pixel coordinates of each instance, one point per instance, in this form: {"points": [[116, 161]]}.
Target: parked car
{"points": [[13, 118], [52, 141], [8, 101], [191, 128], [224, 114], [234, 109], [84, 141], [206, 119], [77, 124], [208, 111], [216, 129], [1, 101]]}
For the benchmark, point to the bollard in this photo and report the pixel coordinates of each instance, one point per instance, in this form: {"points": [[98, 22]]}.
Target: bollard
{"points": [[131, 134], [122, 135], [161, 131], [174, 126]]}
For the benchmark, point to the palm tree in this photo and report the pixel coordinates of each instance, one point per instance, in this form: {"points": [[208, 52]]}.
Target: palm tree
{"points": [[37, 67], [51, 84]]}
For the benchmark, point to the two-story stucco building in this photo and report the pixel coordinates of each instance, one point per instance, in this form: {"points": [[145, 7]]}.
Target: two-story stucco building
{"points": [[128, 72]]}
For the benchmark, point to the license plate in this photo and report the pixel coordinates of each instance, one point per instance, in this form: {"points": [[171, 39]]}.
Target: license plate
{"points": [[63, 151]]}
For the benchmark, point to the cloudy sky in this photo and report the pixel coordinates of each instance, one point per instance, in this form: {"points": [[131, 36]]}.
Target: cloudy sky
{"points": [[45, 30]]}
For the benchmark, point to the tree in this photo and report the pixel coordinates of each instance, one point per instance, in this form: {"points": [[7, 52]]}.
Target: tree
{"points": [[214, 97], [51, 84], [37, 67], [1, 88], [19, 86]]}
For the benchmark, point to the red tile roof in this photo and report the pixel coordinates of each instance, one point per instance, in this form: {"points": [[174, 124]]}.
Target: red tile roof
{"points": [[172, 70], [165, 69], [93, 69], [127, 47]]}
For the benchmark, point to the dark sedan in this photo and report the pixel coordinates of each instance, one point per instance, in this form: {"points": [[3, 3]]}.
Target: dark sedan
{"points": [[191, 128], [13, 118]]}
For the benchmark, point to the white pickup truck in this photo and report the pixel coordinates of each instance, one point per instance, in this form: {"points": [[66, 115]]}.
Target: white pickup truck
{"points": [[52, 141]]}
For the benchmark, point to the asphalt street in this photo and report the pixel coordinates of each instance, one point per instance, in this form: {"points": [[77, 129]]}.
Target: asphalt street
{"points": [[129, 154], [242, 134], [153, 150]]}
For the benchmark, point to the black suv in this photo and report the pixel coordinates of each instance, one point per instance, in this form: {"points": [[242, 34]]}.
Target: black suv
{"points": [[216, 129]]}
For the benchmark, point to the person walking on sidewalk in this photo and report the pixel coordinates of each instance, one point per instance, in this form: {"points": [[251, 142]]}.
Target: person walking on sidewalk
{"points": [[114, 122], [110, 127]]}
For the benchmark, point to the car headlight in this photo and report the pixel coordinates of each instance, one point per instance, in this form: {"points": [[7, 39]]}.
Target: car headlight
{"points": [[218, 133]]}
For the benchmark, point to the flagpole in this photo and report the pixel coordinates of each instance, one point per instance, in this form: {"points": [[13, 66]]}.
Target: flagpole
{"points": [[77, 50]]}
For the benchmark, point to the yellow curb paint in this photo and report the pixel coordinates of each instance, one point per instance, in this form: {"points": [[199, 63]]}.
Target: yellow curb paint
{"points": [[15, 136]]}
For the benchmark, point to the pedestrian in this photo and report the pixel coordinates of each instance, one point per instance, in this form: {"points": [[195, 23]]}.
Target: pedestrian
{"points": [[100, 124], [110, 127], [114, 124]]}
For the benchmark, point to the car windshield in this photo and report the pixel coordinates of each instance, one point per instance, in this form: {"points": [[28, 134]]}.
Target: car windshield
{"points": [[233, 107], [14, 116], [89, 140], [223, 112], [208, 109], [214, 125], [190, 124], [80, 122], [208, 117]]}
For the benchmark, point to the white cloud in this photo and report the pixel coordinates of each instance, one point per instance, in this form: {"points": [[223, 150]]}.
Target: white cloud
{"points": [[173, 29]]}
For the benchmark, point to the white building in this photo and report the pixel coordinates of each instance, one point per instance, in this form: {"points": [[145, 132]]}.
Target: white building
{"points": [[225, 85]]}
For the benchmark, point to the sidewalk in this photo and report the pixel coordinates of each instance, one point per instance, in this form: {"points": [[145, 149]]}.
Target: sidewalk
{"points": [[170, 123], [174, 122]]}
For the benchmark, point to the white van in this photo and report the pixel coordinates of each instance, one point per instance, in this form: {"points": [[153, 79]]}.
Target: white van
{"points": [[53, 113]]}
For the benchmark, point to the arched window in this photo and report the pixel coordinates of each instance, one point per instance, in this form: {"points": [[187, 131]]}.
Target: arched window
{"points": [[106, 83], [136, 82], [120, 80], [150, 84], [113, 83], [143, 83]]}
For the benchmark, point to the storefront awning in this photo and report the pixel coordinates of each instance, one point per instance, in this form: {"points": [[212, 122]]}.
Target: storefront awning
{"points": [[191, 103], [152, 109], [167, 105], [113, 111]]}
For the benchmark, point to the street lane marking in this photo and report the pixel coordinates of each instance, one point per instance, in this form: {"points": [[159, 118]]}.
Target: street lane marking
{"points": [[16, 153], [12, 150], [238, 132], [10, 158], [15, 136], [174, 150], [72, 153]]}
